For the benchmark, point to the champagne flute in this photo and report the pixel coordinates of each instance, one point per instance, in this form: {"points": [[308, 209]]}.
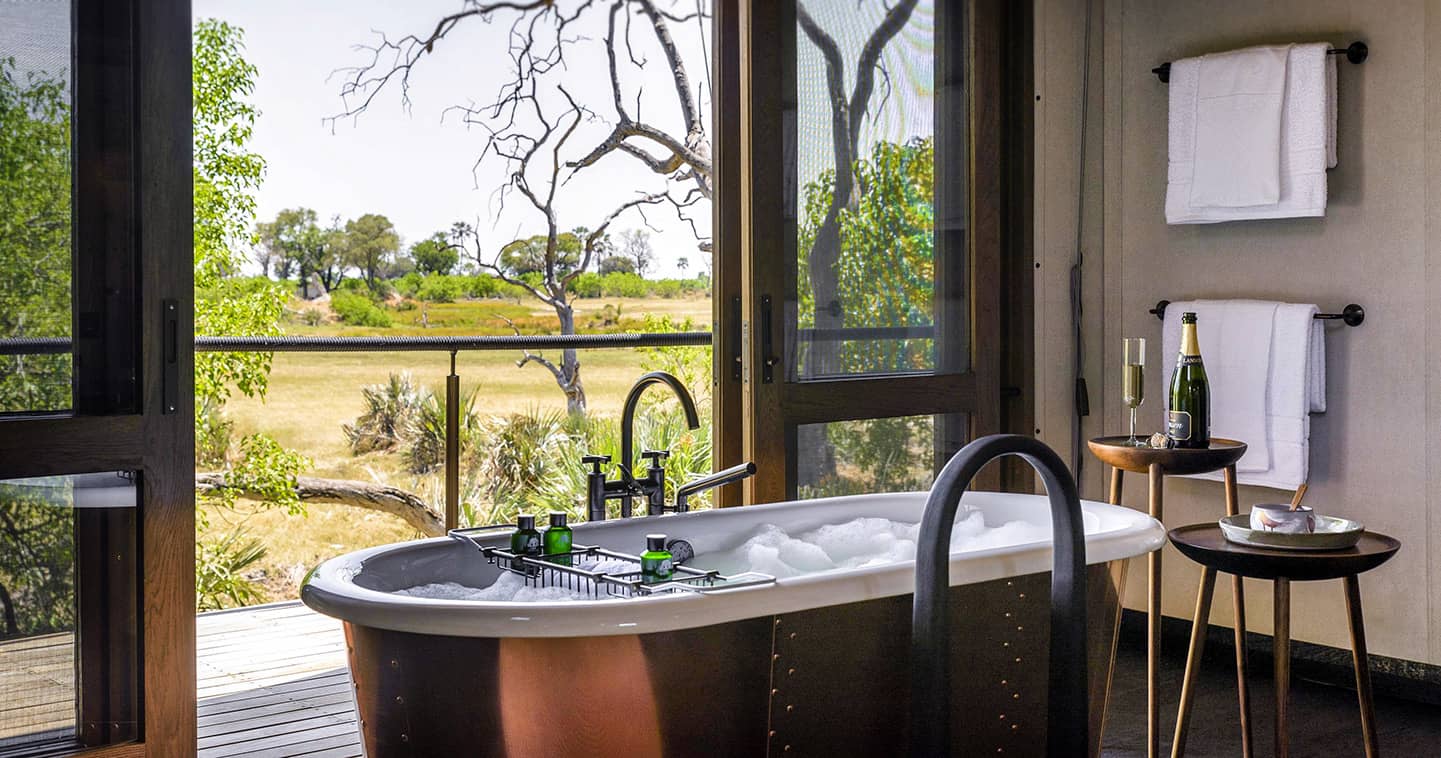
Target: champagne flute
{"points": [[1133, 380]]}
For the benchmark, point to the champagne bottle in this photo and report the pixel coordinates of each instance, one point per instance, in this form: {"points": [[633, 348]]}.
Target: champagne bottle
{"points": [[1188, 422]]}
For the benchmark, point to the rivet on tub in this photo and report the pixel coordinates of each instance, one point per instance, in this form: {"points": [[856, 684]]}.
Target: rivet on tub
{"points": [[775, 692], [775, 656], [405, 738], [773, 733], [1003, 717], [1023, 596], [790, 708], [395, 664], [790, 672], [793, 635], [399, 700]]}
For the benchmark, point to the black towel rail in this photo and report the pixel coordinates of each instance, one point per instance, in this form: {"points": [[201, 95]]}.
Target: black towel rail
{"points": [[1351, 315], [1355, 52]]}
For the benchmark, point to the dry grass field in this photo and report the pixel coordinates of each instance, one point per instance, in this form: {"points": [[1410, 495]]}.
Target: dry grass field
{"points": [[313, 394]]}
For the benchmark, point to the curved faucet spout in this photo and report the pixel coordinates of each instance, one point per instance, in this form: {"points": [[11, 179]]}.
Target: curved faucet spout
{"points": [[627, 415], [1066, 703]]}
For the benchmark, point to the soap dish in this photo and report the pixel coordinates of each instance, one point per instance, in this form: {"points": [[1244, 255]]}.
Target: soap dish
{"points": [[1331, 534]]}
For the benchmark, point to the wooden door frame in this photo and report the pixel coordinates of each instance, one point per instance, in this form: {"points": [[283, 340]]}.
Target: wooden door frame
{"points": [[999, 318], [155, 441]]}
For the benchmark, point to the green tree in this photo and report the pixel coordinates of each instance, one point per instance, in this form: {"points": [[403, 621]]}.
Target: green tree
{"points": [[226, 175], [435, 254], [529, 255], [371, 242], [681, 264], [617, 264], [34, 234]]}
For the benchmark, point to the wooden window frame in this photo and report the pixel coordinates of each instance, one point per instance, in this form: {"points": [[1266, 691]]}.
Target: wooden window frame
{"points": [[133, 253]]}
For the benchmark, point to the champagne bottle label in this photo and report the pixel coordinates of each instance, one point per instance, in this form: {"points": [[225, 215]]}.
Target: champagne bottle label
{"points": [[1190, 360], [1178, 425]]}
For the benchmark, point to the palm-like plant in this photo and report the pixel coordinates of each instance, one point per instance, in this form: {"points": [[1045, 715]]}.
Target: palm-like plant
{"points": [[389, 409]]}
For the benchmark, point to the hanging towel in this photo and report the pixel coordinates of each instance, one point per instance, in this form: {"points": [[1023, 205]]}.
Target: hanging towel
{"points": [[1294, 385], [1235, 337], [1237, 147], [1307, 141]]}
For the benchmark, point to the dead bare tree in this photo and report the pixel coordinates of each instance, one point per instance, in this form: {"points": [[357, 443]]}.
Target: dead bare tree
{"points": [[848, 111], [532, 119]]}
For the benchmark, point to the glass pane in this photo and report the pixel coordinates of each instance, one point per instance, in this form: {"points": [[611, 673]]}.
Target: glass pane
{"points": [[896, 454], [67, 594], [35, 149], [876, 267]]}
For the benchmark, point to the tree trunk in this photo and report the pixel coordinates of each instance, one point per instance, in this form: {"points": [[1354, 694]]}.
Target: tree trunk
{"points": [[569, 376], [376, 497]]}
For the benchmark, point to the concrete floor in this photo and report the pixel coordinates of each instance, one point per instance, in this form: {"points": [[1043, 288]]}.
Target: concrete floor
{"points": [[1325, 720]]}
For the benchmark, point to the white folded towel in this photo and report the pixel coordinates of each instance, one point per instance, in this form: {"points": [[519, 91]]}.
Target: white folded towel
{"points": [[1236, 152], [1294, 385], [1307, 141]]}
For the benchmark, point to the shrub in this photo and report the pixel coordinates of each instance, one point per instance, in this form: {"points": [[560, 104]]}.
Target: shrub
{"points": [[587, 284], [389, 409], [624, 285], [426, 431], [482, 285], [219, 581], [668, 288], [409, 284], [357, 309], [438, 288]]}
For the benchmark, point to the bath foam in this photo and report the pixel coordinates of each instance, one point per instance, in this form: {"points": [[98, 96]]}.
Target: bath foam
{"points": [[512, 587], [863, 542]]}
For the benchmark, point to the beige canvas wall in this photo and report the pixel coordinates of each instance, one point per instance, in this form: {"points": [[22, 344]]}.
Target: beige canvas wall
{"points": [[1376, 452]]}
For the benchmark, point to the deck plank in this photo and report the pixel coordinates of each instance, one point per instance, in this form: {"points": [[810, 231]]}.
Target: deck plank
{"points": [[272, 682]]}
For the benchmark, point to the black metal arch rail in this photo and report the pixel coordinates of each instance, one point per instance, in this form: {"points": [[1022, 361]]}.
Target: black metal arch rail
{"points": [[60, 345], [1356, 53]]}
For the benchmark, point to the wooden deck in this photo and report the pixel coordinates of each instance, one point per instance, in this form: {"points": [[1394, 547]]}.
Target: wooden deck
{"points": [[271, 681]]}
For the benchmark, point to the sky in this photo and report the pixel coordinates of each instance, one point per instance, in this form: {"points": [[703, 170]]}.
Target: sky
{"points": [[417, 165]]}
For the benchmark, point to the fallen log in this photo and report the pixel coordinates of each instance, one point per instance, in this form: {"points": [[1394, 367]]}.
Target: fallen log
{"points": [[375, 497]]}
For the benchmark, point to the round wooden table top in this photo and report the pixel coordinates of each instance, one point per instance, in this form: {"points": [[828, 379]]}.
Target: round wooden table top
{"points": [[1114, 451], [1206, 545]]}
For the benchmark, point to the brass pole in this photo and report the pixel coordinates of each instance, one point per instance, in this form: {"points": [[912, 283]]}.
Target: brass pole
{"points": [[452, 447]]}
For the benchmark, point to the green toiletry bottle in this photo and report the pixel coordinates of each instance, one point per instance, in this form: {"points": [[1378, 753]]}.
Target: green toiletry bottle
{"points": [[656, 564], [558, 539], [525, 541]]}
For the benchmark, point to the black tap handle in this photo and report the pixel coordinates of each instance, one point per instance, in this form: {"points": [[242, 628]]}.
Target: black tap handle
{"points": [[655, 456], [596, 461]]}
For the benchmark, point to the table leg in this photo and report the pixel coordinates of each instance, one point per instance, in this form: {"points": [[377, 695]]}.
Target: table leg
{"points": [[1199, 625], [1363, 669], [1153, 623], [1238, 600], [1098, 739], [1282, 652]]}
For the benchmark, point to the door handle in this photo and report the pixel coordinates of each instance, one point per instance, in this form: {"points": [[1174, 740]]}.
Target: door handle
{"points": [[170, 371], [768, 353], [736, 337]]}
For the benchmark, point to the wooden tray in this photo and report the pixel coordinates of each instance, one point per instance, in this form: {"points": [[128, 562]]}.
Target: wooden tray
{"points": [[1114, 451]]}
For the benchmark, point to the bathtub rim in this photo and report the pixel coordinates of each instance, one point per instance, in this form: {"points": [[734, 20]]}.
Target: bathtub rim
{"points": [[330, 588]]}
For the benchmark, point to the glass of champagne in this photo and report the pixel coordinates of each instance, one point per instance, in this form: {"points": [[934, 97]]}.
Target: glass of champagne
{"points": [[1133, 380]]}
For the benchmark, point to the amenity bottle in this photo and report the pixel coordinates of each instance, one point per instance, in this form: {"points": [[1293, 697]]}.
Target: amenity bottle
{"points": [[1188, 421], [656, 563], [525, 541], [558, 539]]}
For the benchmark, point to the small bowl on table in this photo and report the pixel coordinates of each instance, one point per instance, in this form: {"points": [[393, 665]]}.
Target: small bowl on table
{"points": [[1281, 518]]}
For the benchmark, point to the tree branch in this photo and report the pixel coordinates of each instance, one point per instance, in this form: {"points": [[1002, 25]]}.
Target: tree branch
{"points": [[376, 497]]}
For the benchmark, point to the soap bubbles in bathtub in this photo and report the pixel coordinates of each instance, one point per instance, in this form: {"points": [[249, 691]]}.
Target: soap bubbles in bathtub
{"points": [[864, 542], [513, 587]]}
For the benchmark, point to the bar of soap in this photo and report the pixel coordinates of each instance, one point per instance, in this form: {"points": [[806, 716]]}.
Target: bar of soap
{"points": [[1160, 441]]}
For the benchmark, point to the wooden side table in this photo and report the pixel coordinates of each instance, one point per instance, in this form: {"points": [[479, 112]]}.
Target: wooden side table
{"points": [[1158, 464], [1206, 545]]}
